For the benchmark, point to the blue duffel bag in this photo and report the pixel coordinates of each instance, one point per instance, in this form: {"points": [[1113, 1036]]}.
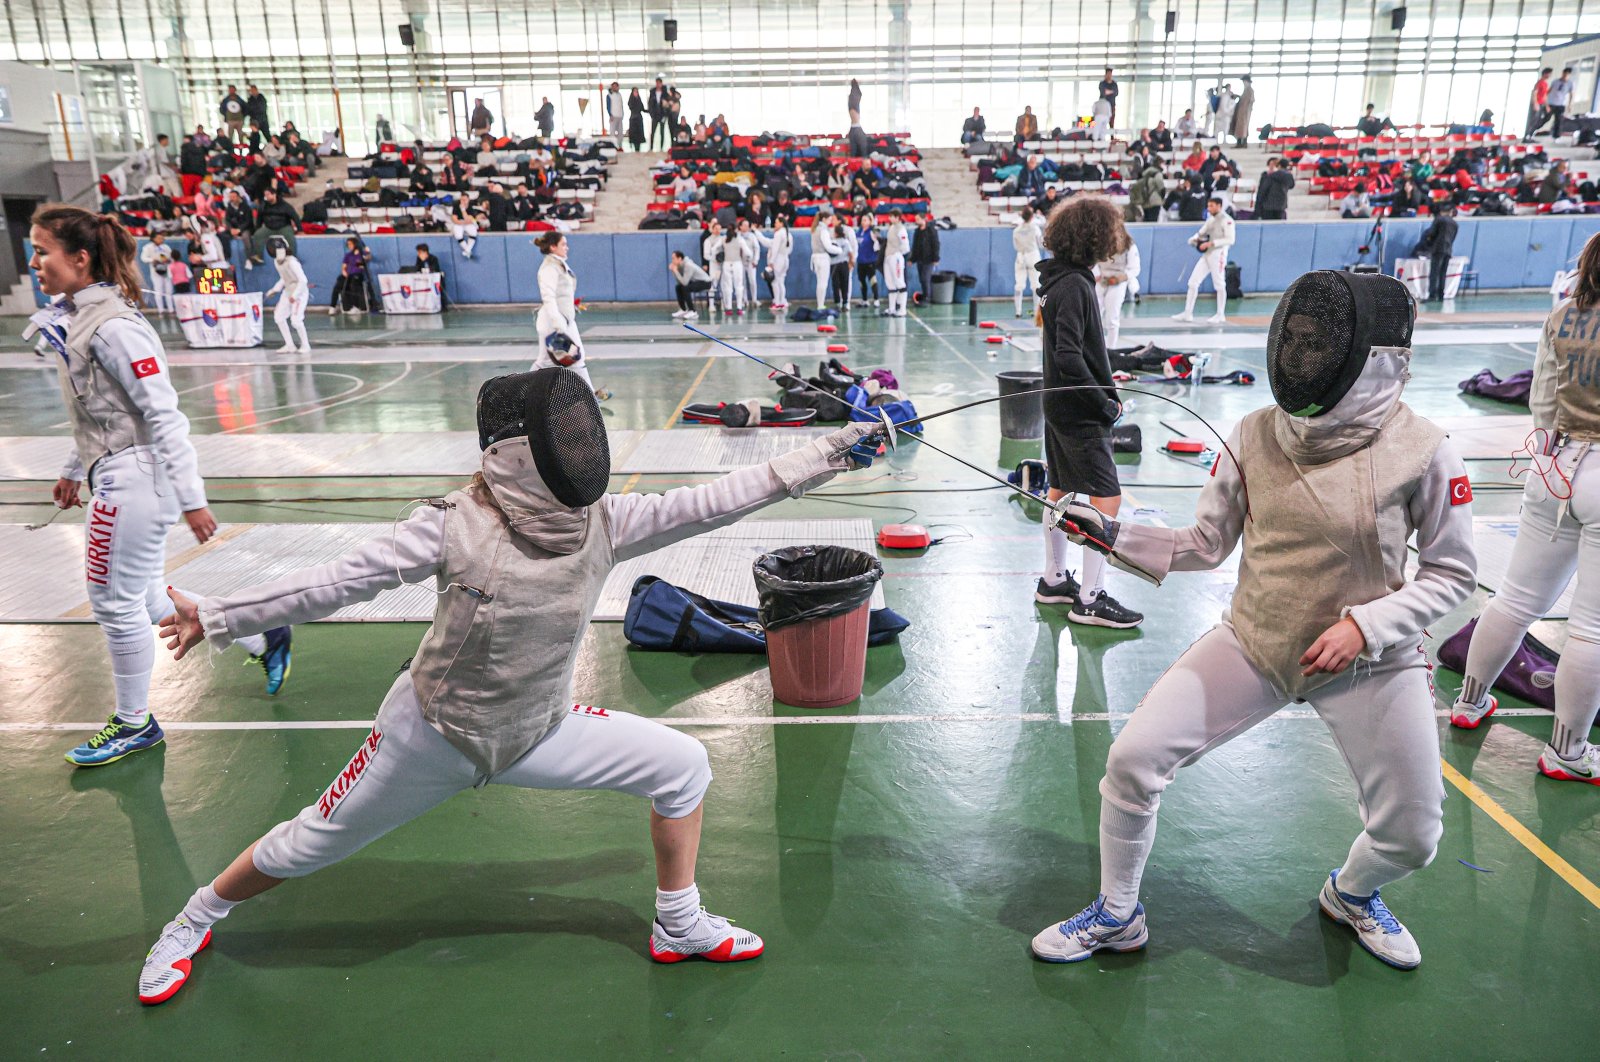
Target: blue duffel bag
{"points": [[669, 618]]}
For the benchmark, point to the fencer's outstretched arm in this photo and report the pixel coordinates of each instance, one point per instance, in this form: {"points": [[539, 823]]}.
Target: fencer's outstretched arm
{"points": [[1441, 511], [411, 553], [641, 523], [1218, 522]]}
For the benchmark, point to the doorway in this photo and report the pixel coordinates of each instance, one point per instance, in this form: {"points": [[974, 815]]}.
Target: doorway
{"points": [[462, 101]]}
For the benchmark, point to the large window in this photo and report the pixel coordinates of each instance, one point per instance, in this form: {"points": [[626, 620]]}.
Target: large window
{"points": [[784, 64]]}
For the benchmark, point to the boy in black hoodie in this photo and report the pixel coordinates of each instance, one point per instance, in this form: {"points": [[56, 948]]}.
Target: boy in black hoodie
{"points": [[1081, 232]]}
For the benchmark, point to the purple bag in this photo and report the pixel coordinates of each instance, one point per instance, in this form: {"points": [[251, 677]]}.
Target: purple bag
{"points": [[885, 379], [1530, 675], [1514, 388]]}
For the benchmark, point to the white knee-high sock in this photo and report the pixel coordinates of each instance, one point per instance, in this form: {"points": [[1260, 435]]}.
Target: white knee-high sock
{"points": [[1577, 695], [1125, 842], [133, 658], [1055, 550], [1094, 575], [677, 910], [205, 908]]}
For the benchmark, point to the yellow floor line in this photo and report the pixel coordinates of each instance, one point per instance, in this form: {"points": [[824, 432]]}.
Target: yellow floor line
{"points": [[1541, 851], [633, 480]]}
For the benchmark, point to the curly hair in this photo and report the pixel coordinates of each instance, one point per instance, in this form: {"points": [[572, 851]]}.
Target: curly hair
{"points": [[1084, 230]]}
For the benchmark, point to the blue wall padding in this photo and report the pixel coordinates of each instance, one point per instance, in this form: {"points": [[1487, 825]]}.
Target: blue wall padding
{"points": [[632, 267]]}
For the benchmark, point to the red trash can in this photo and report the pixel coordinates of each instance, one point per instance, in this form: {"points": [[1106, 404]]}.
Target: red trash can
{"points": [[816, 607]]}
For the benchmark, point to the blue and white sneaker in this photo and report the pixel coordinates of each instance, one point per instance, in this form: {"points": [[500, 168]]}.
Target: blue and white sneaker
{"points": [[1090, 930], [275, 660], [116, 740], [1377, 930]]}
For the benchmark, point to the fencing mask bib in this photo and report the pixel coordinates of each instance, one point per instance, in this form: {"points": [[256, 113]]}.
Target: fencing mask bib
{"points": [[566, 433], [1325, 326]]}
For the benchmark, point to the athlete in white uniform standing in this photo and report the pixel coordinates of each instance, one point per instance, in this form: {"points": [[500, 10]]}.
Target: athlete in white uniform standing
{"points": [[158, 258], [1027, 239], [1559, 536], [1115, 280], [557, 321], [896, 245], [1212, 241], [734, 250], [520, 556], [778, 246], [132, 444], [823, 249], [1336, 478], [752, 258], [295, 293]]}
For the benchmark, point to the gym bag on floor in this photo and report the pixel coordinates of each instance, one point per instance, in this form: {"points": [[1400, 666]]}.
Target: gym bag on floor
{"points": [[668, 618]]}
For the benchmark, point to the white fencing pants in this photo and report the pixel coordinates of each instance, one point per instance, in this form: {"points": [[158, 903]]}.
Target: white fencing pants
{"points": [[780, 285], [466, 237], [1112, 297], [733, 296], [1213, 264], [1382, 721], [1023, 276], [1551, 547], [290, 312], [822, 269], [404, 767], [751, 290], [161, 289], [894, 281]]}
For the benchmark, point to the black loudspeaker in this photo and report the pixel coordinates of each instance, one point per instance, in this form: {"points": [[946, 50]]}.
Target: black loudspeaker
{"points": [[407, 37], [1172, 21], [1397, 19], [669, 29]]}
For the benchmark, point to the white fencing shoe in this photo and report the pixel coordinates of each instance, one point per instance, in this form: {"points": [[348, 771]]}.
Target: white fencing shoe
{"points": [[1376, 929]]}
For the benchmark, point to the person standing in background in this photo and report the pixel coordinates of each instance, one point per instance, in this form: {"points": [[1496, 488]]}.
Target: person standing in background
{"points": [[635, 120], [545, 118], [822, 250], [191, 165], [1239, 128], [925, 255], [1226, 102], [868, 245], [1272, 192], [232, 110], [1109, 91], [482, 119], [614, 110], [1537, 103], [255, 106], [656, 107], [1027, 239], [1116, 278], [159, 258], [1212, 241], [1559, 99], [1439, 244]]}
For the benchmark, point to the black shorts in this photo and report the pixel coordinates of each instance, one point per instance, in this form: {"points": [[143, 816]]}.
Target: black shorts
{"points": [[1081, 465]]}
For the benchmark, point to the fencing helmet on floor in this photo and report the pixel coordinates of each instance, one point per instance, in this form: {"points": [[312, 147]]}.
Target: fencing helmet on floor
{"points": [[1324, 330], [566, 432]]}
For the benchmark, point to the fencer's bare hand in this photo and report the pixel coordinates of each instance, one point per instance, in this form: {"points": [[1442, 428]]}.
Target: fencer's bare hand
{"points": [[65, 493], [202, 523], [1335, 649], [182, 627]]}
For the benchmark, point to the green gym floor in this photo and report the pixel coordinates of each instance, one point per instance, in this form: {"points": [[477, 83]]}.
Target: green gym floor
{"points": [[897, 854]]}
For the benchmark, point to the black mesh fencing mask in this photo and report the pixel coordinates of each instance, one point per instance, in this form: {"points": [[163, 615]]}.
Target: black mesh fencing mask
{"points": [[566, 433], [1323, 331]]}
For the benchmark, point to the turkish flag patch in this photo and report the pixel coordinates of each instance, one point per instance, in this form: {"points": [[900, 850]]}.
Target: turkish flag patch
{"points": [[1460, 491], [146, 367]]}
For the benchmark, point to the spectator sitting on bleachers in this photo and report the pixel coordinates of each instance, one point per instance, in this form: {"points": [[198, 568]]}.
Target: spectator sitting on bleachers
{"points": [[239, 218], [275, 218], [973, 128], [1048, 201], [258, 177], [755, 209], [1160, 138], [1187, 127], [1405, 200], [299, 153], [1027, 125], [1032, 180], [274, 152], [521, 207], [1371, 125], [1195, 158], [1554, 185], [1187, 202], [454, 176], [1146, 194], [1356, 203], [422, 180], [1216, 162], [783, 207], [487, 161], [202, 137], [496, 207], [684, 187], [1140, 157]]}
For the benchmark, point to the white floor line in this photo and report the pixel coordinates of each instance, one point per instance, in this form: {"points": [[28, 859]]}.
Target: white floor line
{"points": [[985, 373], [689, 721]]}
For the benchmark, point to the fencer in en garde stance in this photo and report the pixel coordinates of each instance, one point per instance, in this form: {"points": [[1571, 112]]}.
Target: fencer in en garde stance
{"points": [[294, 292], [131, 443], [520, 555], [1557, 537], [1330, 484]]}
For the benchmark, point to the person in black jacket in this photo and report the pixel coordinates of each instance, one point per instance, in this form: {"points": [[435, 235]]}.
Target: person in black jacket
{"points": [[495, 205], [635, 120], [925, 254], [1272, 192], [427, 262], [1439, 243], [973, 128], [255, 106], [1189, 198], [276, 217], [191, 165], [656, 108], [1082, 232]]}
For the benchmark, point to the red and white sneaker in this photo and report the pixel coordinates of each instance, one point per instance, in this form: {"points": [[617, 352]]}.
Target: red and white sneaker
{"points": [[1584, 767], [166, 968], [712, 939], [1469, 716]]}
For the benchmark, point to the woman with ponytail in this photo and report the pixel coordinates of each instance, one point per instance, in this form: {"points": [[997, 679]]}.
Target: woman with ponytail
{"points": [[1559, 535], [132, 445]]}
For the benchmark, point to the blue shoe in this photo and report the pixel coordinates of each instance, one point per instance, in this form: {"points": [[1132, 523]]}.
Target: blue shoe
{"points": [[1090, 930], [116, 740], [275, 661]]}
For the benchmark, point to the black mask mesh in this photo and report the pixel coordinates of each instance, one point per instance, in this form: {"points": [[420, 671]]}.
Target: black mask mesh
{"points": [[503, 408], [567, 435], [1325, 326]]}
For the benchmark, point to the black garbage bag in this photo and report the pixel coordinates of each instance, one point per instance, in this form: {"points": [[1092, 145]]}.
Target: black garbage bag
{"points": [[800, 583]]}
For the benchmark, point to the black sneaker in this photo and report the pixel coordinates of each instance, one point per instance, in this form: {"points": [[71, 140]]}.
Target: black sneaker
{"points": [[1105, 611], [1062, 593]]}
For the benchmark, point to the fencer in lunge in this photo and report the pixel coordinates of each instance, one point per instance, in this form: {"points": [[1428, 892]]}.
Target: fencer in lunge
{"points": [[520, 555], [557, 321], [294, 292], [1331, 483], [131, 443], [1559, 536], [1212, 241]]}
